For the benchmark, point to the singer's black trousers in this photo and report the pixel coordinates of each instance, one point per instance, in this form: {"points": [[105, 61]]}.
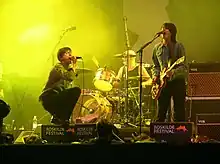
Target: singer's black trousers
{"points": [[61, 104], [176, 89]]}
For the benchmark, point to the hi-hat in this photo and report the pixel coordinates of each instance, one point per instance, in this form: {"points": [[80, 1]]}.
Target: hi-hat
{"points": [[145, 65], [138, 77], [147, 83], [130, 53]]}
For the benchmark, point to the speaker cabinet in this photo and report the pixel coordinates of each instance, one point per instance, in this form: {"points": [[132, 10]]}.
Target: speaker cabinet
{"points": [[200, 105], [172, 132], [203, 80], [204, 84], [208, 124]]}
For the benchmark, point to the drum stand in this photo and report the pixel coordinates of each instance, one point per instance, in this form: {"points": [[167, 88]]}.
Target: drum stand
{"points": [[136, 106], [134, 96]]}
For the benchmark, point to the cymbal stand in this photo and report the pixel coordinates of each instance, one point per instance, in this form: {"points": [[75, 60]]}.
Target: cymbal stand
{"points": [[140, 52], [126, 73], [126, 68], [135, 99], [126, 92], [133, 95]]}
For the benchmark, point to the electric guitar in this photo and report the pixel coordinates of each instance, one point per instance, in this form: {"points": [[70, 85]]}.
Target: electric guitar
{"points": [[156, 88]]}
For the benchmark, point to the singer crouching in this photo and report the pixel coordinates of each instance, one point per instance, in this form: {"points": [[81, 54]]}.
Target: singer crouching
{"points": [[59, 95]]}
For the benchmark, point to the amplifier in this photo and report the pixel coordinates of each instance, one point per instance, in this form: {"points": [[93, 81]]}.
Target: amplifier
{"points": [[172, 132], [200, 105], [203, 79], [204, 67], [204, 84], [60, 134], [208, 124], [207, 118]]}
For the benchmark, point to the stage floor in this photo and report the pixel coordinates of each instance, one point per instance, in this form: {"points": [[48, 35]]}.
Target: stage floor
{"points": [[84, 153]]}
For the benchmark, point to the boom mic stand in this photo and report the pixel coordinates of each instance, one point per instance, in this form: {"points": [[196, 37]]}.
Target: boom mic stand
{"points": [[55, 47], [140, 52], [61, 37]]}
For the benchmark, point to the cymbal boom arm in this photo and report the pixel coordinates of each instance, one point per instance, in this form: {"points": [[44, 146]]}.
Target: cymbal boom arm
{"points": [[126, 34], [126, 66]]}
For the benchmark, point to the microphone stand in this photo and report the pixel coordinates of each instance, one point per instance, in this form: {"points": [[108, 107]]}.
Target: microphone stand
{"points": [[140, 52], [52, 54]]}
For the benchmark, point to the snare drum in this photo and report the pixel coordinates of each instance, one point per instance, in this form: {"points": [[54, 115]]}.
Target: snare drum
{"points": [[103, 80], [92, 107], [90, 92]]}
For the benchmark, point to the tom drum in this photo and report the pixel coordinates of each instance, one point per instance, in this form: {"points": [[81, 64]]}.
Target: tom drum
{"points": [[103, 80]]}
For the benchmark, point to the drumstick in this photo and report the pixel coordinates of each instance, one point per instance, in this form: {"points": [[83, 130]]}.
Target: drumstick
{"points": [[95, 61]]}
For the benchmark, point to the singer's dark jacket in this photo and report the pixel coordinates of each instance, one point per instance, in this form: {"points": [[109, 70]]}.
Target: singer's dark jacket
{"points": [[161, 58], [60, 78]]}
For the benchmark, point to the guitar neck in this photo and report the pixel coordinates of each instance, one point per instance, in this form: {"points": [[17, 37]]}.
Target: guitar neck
{"points": [[169, 69], [180, 60]]}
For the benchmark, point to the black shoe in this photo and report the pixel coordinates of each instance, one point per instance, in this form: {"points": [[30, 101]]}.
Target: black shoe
{"points": [[55, 121], [65, 122], [58, 121]]}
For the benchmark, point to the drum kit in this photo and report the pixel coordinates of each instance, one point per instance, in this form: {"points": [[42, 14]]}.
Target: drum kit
{"points": [[108, 101]]}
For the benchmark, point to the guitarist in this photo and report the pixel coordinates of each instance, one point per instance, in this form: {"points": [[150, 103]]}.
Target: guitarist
{"points": [[164, 55], [59, 96]]}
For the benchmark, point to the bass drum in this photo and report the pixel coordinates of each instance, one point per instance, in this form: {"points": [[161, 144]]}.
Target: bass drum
{"points": [[91, 108]]}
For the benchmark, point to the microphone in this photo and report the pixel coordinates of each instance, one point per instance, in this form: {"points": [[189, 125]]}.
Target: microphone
{"points": [[160, 32], [71, 28], [77, 57]]}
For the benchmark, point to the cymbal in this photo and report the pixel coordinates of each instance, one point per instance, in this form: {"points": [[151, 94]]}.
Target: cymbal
{"points": [[138, 77], [145, 65], [147, 83], [119, 55], [130, 53], [123, 56], [133, 88], [83, 70], [117, 98]]}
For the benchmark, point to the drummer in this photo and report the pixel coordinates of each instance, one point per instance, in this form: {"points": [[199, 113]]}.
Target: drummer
{"points": [[133, 71]]}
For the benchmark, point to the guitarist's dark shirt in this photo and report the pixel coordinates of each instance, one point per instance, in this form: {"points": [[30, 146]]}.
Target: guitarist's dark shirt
{"points": [[161, 58]]}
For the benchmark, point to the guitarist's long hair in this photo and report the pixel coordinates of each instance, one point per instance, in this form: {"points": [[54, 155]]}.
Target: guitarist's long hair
{"points": [[173, 30]]}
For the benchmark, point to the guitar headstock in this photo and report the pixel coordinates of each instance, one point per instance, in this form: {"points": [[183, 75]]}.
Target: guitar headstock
{"points": [[180, 60]]}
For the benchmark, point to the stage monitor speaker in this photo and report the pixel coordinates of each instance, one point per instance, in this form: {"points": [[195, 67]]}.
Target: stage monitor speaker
{"points": [[127, 133], [6, 138], [72, 133], [203, 80], [20, 139], [172, 132]]}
